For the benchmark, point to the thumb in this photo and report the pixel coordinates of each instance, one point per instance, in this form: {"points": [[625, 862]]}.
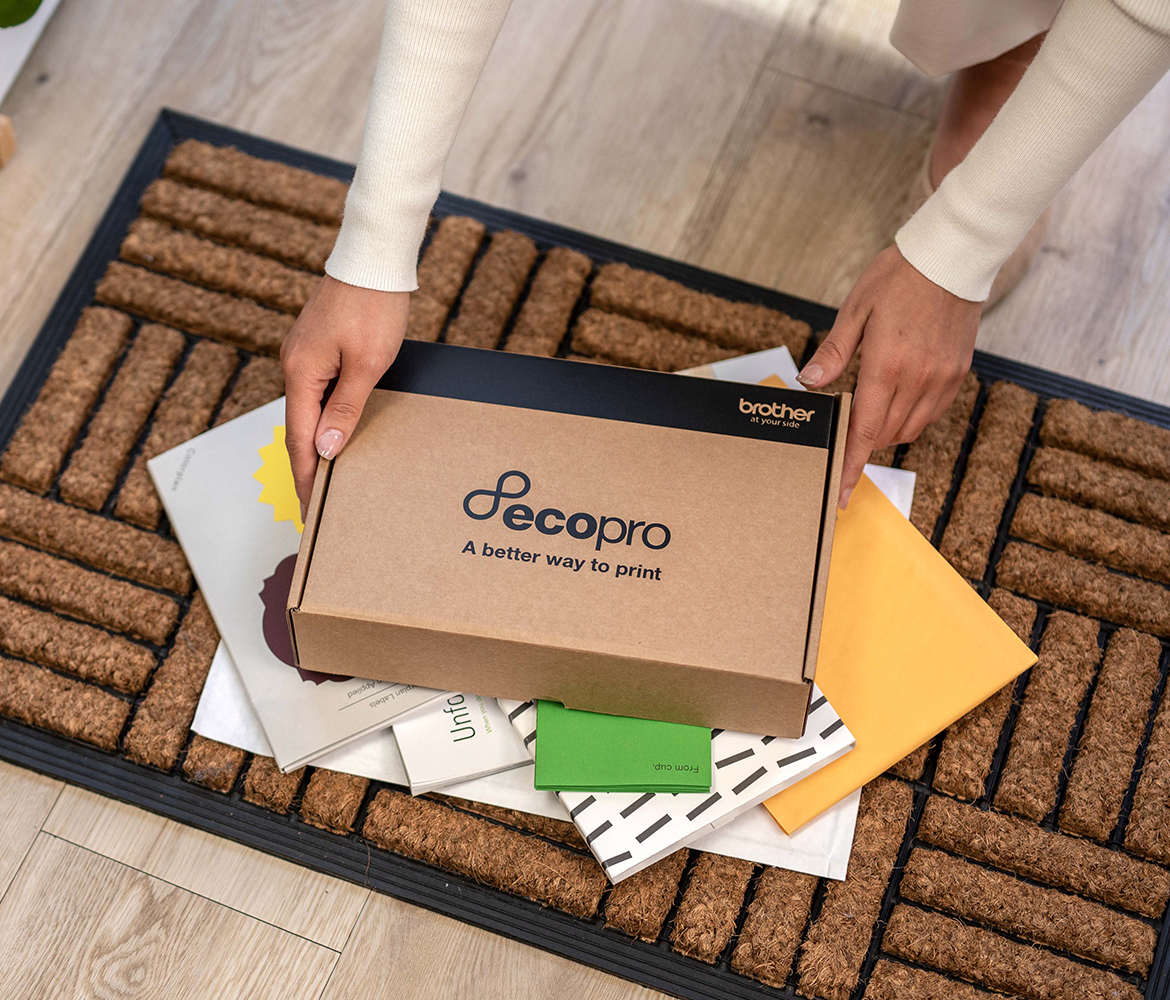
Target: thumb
{"points": [[344, 407], [836, 350]]}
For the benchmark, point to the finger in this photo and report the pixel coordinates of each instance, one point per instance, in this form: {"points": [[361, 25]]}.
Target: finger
{"points": [[945, 398], [917, 390], [344, 407], [901, 405], [932, 401], [302, 410], [837, 349], [871, 404], [916, 421]]}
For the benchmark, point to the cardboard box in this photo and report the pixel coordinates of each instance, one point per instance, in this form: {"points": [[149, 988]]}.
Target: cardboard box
{"points": [[618, 540]]}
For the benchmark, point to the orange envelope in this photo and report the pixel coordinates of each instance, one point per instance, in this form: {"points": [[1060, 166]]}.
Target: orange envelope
{"points": [[907, 647]]}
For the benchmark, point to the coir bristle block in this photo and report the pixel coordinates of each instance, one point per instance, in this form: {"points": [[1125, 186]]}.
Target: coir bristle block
{"points": [[1025, 850]]}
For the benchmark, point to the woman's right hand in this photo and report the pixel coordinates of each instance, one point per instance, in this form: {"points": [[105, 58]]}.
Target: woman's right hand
{"points": [[346, 333]]}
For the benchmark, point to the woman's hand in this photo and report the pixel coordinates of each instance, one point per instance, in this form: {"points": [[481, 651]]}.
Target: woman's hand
{"points": [[346, 333], [916, 341]]}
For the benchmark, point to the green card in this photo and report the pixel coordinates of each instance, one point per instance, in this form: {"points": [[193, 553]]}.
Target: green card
{"points": [[591, 752]]}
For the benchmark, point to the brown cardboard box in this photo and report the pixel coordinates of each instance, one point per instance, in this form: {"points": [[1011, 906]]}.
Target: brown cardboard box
{"points": [[621, 541]]}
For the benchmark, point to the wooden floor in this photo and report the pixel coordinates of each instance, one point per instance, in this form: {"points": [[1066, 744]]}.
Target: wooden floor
{"points": [[770, 139]]}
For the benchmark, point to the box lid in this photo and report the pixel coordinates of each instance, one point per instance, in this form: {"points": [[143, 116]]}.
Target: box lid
{"points": [[631, 515]]}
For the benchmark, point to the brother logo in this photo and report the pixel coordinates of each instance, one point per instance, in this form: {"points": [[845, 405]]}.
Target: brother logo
{"points": [[551, 521], [778, 411]]}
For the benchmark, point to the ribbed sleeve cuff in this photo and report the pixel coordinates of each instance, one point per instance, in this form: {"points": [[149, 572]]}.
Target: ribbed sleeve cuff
{"points": [[382, 254], [933, 246]]}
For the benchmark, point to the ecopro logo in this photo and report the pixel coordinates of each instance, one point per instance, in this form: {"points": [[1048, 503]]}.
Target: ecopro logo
{"points": [[774, 413], [604, 528]]}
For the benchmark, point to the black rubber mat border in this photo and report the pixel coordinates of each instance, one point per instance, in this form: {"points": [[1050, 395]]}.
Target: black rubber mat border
{"points": [[351, 858]]}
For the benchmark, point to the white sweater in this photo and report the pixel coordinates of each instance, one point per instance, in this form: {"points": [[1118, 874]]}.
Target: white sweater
{"points": [[1099, 59]]}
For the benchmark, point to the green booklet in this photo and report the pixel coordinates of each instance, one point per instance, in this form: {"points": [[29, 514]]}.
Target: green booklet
{"points": [[590, 752]]}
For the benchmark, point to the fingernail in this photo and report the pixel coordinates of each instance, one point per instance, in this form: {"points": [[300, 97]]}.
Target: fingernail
{"points": [[811, 375], [845, 495], [329, 443]]}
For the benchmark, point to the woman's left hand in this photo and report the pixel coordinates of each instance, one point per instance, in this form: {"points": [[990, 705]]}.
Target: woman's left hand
{"points": [[916, 341]]}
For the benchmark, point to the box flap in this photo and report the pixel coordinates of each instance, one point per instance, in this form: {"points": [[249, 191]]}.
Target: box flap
{"points": [[825, 553], [502, 667], [296, 588]]}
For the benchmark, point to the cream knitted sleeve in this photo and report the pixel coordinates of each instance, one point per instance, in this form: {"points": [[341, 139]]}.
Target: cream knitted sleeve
{"points": [[432, 54], [1101, 57]]}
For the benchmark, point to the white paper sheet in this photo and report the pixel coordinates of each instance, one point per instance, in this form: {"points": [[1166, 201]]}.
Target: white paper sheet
{"points": [[751, 368], [511, 790], [224, 714], [17, 42], [820, 847], [896, 484]]}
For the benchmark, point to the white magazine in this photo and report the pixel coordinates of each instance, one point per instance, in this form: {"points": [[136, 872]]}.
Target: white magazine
{"points": [[229, 495], [627, 831], [456, 738], [225, 714]]}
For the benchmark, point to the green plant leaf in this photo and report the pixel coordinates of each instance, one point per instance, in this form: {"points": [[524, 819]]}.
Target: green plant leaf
{"points": [[14, 12]]}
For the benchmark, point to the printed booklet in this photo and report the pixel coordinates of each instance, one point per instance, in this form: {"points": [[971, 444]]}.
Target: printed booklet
{"points": [[230, 497], [612, 753], [456, 738]]}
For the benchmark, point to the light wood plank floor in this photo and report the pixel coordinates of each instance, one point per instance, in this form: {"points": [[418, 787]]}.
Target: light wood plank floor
{"points": [[770, 139]]}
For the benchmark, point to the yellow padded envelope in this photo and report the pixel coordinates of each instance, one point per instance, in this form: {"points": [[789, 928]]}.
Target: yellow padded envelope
{"points": [[907, 647]]}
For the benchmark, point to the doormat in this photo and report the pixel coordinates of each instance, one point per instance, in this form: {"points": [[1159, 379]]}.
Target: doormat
{"points": [[1025, 851]]}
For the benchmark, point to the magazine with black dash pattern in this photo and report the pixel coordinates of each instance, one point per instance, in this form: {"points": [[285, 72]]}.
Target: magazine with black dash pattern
{"points": [[627, 831]]}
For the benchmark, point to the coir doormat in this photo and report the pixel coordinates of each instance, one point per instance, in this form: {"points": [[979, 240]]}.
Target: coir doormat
{"points": [[1026, 851]]}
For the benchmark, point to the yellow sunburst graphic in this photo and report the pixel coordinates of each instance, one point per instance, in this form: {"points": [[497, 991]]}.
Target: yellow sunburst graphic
{"points": [[276, 475]]}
